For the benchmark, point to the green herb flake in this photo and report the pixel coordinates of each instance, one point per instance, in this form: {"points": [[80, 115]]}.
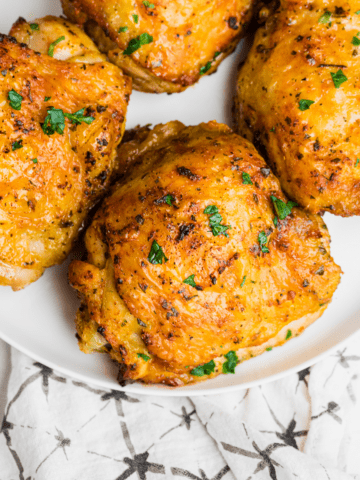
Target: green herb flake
{"points": [[246, 179], [262, 239], [53, 45], [272, 129], [34, 26], [136, 18], [215, 221], [190, 280], [325, 17], [355, 40], [205, 68], [16, 145], [216, 54], [357, 162], [156, 255], [230, 364], [282, 209], [148, 4], [305, 104], [55, 120], [34, 160], [136, 43], [288, 334], [15, 100], [78, 117], [123, 29], [268, 349], [46, 99], [357, 13], [243, 281], [168, 199], [205, 369], [338, 78], [143, 356], [276, 221]]}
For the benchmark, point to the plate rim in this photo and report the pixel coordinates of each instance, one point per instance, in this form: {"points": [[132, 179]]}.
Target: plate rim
{"points": [[154, 390]]}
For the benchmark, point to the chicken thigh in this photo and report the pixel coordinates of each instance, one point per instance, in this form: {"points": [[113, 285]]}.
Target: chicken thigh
{"points": [[164, 46], [197, 261], [63, 113], [298, 101]]}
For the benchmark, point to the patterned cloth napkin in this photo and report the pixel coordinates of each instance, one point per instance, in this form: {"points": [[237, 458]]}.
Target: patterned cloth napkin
{"points": [[303, 427]]}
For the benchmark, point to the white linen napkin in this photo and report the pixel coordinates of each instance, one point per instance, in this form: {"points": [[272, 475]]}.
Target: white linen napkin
{"points": [[305, 427]]}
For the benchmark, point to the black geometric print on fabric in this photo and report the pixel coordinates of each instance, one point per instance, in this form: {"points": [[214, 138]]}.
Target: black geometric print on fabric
{"points": [[185, 473], [343, 361], [288, 434], [263, 455], [138, 463], [112, 394], [331, 408], [302, 377], [62, 443], [185, 420], [45, 373]]}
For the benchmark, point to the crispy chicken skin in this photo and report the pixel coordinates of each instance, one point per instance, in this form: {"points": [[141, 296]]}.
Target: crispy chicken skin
{"points": [[240, 298], [190, 37], [312, 147], [48, 182]]}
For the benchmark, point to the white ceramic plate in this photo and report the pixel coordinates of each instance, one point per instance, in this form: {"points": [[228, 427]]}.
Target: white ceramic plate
{"points": [[39, 319]]}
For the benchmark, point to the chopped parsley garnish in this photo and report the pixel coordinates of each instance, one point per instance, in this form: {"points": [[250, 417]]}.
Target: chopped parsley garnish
{"points": [[123, 29], [168, 199], [55, 120], [46, 99], [156, 255], [216, 54], [325, 17], [205, 68], [16, 145], [276, 220], [136, 18], [215, 221], [136, 43], [262, 239], [338, 78], [272, 129], [190, 280], [288, 334], [34, 26], [53, 45], [78, 117], [355, 40], [15, 100], [143, 356], [268, 349], [357, 13], [357, 162], [243, 281], [246, 179], [205, 369], [34, 160], [305, 104], [230, 364], [148, 4], [282, 209]]}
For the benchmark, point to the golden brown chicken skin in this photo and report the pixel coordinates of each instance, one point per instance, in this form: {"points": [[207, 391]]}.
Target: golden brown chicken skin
{"points": [[164, 46], [298, 100], [53, 168], [185, 263]]}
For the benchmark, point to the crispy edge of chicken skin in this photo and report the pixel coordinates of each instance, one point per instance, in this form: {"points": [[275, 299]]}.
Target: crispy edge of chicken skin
{"points": [[168, 75], [107, 322], [24, 236], [313, 151]]}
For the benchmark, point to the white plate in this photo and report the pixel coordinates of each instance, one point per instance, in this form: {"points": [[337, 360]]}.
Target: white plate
{"points": [[39, 319]]}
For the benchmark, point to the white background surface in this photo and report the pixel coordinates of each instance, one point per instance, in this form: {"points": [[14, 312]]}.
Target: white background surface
{"points": [[39, 319]]}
